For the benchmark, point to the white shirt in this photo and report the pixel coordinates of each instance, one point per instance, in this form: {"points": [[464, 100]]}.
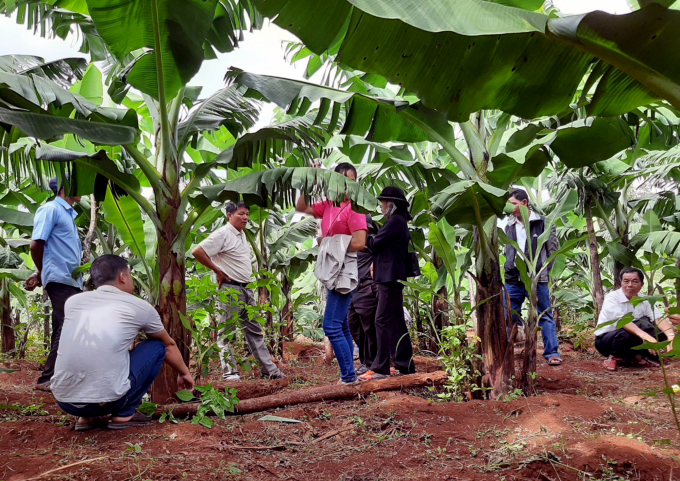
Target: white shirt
{"points": [[521, 232], [228, 248], [93, 360], [616, 305]]}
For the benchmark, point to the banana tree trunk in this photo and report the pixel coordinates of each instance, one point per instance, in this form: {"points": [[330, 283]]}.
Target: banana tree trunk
{"points": [[8, 339], [440, 309], [497, 353], [598, 290], [89, 237], [172, 298], [287, 320]]}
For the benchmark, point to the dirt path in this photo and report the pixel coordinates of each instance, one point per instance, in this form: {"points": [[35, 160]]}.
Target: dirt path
{"points": [[583, 420]]}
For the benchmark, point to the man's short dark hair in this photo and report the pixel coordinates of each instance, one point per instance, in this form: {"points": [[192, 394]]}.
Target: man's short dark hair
{"points": [[233, 207], [632, 270], [519, 194], [344, 167], [105, 269]]}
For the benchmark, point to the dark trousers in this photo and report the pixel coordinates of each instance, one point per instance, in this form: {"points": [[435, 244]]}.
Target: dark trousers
{"points": [[146, 360], [361, 318], [391, 331], [620, 343], [58, 294]]}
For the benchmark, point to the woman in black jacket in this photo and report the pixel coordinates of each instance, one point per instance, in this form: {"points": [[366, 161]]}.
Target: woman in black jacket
{"points": [[390, 257]]}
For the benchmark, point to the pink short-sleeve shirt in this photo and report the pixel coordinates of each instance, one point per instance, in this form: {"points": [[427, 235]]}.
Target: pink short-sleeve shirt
{"points": [[338, 219]]}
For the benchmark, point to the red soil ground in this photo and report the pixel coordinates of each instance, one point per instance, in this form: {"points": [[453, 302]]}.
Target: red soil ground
{"points": [[584, 423]]}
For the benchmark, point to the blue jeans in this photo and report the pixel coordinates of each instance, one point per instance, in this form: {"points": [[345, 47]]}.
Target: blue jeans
{"points": [[146, 361], [335, 326], [518, 294]]}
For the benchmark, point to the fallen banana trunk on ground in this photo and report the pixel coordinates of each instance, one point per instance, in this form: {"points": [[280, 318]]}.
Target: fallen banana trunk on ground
{"points": [[317, 394]]}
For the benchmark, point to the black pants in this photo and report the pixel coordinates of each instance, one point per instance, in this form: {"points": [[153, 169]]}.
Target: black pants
{"points": [[58, 294], [620, 343], [361, 319], [391, 331]]}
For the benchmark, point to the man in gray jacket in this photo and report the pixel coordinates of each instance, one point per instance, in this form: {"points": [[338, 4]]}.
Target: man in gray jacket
{"points": [[516, 231]]}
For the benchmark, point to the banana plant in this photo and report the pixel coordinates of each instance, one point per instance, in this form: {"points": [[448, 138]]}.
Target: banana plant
{"points": [[166, 140], [527, 265]]}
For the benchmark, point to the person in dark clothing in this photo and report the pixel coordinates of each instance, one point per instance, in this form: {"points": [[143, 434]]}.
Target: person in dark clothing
{"points": [[361, 315], [390, 257]]}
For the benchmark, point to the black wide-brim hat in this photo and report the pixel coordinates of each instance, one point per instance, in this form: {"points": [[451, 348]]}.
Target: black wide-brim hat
{"points": [[395, 194]]}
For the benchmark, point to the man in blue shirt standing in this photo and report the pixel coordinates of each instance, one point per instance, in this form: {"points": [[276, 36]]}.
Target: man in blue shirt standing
{"points": [[56, 251]]}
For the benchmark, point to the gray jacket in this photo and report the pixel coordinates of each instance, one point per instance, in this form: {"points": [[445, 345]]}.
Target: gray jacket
{"points": [[536, 229], [335, 267]]}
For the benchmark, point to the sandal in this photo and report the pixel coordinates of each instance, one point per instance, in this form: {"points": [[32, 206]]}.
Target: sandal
{"points": [[138, 419], [82, 427], [373, 376], [555, 361]]}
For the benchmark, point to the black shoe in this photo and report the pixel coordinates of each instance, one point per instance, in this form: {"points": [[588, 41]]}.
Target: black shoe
{"points": [[362, 369], [274, 377]]}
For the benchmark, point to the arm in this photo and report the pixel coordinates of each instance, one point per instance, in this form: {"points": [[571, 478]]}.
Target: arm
{"points": [[636, 331], [37, 252], [301, 206], [358, 241], [201, 256], [174, 359], [385, 236]]}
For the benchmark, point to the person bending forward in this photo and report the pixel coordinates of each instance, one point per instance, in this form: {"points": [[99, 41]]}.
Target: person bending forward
{"points": [[96, 377]]}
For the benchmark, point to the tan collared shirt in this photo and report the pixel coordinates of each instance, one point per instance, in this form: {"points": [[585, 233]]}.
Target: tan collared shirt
{"points": [[229, 250]]}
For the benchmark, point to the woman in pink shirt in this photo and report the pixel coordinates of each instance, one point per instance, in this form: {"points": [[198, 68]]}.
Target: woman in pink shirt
{"points": [[339, 220]]}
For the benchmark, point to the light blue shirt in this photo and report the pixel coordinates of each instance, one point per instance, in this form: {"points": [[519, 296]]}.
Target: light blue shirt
{"points": [[55, 224]]}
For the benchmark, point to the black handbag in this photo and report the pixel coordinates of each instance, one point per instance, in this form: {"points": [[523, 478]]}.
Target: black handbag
{"points": [[412, 262]]}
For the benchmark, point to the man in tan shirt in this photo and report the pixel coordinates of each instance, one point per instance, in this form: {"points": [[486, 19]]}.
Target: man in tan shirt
{"points": [[227, 253]]}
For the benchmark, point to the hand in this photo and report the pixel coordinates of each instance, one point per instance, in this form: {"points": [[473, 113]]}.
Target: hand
{"points": [[222, 278], [185, 381], [32, 282]]}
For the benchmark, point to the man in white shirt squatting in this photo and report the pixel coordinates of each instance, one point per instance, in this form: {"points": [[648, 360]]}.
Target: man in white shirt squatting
{"points": [[648, 325], [227, 253], [97, 377]]}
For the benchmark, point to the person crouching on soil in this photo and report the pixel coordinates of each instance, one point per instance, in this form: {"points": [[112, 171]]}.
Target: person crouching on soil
{"points": [[390, 257], [228, 254], [96, 377], [648, 325], [343, 234]]}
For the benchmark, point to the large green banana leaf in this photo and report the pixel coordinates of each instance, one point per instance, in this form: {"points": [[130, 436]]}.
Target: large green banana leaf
{"points": [[293, 234], [129, 27], [227, 107], [15, 217], [125, 215], [64, 71], [469, 202], [279, 185], [46, 127], [469, 56], [588, 143], [643, 47]]}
